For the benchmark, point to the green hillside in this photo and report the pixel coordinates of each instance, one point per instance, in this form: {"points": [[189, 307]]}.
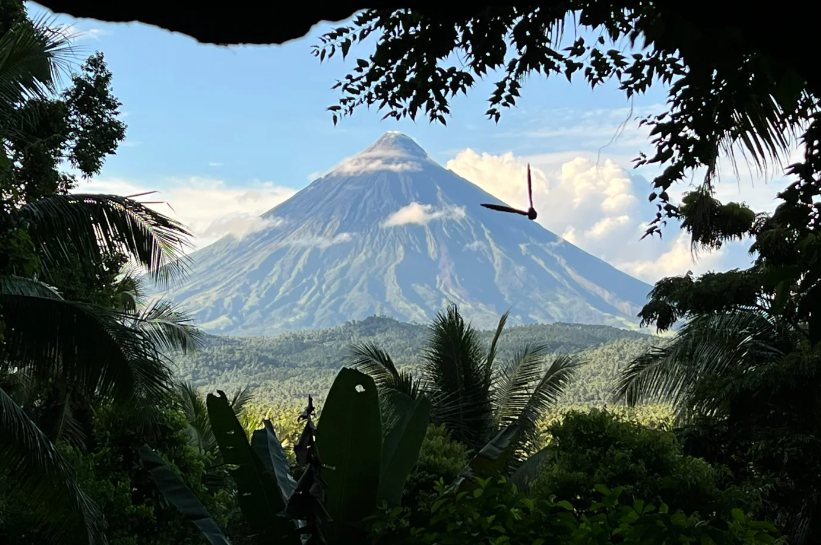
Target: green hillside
{"points": [[287, 368]]}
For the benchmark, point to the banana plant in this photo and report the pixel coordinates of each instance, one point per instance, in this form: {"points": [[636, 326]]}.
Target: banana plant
{"points": [[350, 468]]}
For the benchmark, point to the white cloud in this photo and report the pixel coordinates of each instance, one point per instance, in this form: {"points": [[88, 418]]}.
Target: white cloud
{"points": [[239, 225], [422, 214], [602, 208], [215, 164], [209, 208], [314, 175], [319, 241], [676, 261], [77, 34], [356, 165]]}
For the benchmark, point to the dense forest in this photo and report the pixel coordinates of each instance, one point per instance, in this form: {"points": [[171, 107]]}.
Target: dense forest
{"points": [[284, 370], [420, 434]]}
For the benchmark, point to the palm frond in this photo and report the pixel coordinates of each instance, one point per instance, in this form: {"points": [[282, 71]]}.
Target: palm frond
{"points": [[240, 399], [91, 226], [32, 55], [192, 405], [706, 348], [454, 367], [86, 346], [515, 382], [32, 471], [491, 353], [545, 394], [168, 328], [374, 362], [17, 285]]}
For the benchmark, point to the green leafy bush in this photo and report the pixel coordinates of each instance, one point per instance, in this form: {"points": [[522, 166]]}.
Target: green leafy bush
{"points": [[597, 447], [111, 473], [496, 513], [440, 457]]}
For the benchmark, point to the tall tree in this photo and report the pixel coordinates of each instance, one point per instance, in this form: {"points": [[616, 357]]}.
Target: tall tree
{"points": [[113, 355]]}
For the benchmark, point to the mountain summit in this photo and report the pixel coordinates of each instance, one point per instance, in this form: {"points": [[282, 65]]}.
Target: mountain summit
{"points": [[389, 231]]}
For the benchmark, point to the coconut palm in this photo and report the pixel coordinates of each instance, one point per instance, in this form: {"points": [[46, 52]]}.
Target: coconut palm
{"points": [[113, 355], [471, 393], [745, 385]]}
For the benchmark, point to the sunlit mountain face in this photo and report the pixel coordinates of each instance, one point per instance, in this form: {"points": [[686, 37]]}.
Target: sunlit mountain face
{"points": [[389, 231]]}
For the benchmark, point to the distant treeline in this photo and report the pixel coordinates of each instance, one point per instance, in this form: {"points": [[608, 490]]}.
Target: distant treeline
{"points": [[284, 370]]}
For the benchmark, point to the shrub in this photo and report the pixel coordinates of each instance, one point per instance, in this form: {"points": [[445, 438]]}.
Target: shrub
{"points": [[597, 447], [440, 457], [496, 513]]}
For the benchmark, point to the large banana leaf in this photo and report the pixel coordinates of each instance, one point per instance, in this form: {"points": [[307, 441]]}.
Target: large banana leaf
{"points": [[526, 473], [492, 459], [259, 496], [269, 449], [400, 450], [349, 439], [180, 496]]}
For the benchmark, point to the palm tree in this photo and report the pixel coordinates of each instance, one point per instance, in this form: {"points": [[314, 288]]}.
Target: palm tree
{"points": [[745, 385], [472, 395], [113, 355]]}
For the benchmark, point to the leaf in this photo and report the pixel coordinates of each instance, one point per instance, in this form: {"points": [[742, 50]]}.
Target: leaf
{"points": [[92, 226], [525, 474], [564, 504], [175, 491], [349, 440], [87, 346], [269, 449], [38, 477], [258, 494], [400, 451], [491, 460]]}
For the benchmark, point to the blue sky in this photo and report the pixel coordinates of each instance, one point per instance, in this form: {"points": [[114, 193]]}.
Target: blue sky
{"points": [[225, 133]]}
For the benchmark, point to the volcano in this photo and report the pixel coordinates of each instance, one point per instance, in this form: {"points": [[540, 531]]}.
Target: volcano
{"points": [[391, 232]]}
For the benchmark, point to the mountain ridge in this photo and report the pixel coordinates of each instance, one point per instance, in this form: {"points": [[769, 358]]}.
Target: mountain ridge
{"points": [[391, 231]]}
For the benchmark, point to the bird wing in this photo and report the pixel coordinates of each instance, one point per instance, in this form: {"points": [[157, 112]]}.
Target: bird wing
{"points": [[501, 208], [529, 186]]}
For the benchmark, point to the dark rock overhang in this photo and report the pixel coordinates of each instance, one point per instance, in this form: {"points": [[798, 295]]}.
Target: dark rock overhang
{"points": [[786, 30]]}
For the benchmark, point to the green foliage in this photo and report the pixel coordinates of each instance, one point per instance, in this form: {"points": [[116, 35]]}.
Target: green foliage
{"points": [[599, 448], [111, 473], [440, 457], [472, 394], [496, 513], [283, 370]]}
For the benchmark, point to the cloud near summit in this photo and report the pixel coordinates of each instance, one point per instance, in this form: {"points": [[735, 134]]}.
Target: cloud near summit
{"points": [[421, 214]]}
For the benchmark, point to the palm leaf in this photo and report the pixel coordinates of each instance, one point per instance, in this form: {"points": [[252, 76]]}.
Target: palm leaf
{"points": [[192, 404], [33, 472], [397, 389], [491, 353], [514, 383], [707, 348], [84, 345], [32, 55], [545, 394], [167, 328], [90, 226], [454, 367]]}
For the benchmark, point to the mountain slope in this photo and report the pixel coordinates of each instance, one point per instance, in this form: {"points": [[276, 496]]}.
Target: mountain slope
{"points": [[389, 231]]}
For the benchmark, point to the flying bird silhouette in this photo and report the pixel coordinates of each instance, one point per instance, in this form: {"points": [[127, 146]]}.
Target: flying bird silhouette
{"points": [[531, 212]]}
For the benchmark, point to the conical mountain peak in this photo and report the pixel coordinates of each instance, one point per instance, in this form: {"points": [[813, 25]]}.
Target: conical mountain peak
{"points": [[395, 144], [389, 230]]}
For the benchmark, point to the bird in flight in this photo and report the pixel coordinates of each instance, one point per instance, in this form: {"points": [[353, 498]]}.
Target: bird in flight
{"points": [[531, 212]]}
